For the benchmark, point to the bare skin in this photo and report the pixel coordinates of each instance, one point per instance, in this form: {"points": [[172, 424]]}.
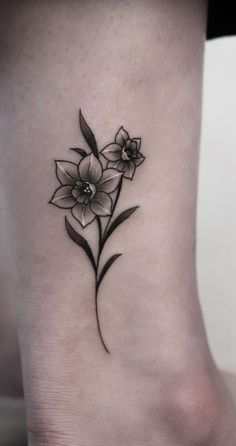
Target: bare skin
{"points": [[136, 63]]}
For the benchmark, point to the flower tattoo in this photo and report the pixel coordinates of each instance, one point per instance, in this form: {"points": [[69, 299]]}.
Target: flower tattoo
{"points": [[124, 154], [85, 188], [91, 188]]}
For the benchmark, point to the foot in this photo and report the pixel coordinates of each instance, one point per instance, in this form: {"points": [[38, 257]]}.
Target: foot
{"points": [[119, 405]]}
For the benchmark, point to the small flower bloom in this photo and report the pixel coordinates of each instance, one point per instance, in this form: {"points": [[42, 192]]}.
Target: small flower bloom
{"points": [[124, 154], [85, 188]]}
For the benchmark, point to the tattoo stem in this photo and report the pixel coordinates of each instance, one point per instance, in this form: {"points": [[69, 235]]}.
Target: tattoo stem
{"points": [[97, 318], [100, 246], [100, 237], [113, 209]]}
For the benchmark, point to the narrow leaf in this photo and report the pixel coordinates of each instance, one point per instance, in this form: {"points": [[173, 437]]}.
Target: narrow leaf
{"points": [[81, 152], [106, 267], [88, 135], [80, 241], [122, 217]]}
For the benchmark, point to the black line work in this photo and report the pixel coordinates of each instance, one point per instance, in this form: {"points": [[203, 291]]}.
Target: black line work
{"points": [[91, 189]]}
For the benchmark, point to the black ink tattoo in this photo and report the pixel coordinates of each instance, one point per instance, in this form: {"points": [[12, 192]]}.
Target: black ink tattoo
{"points": [[91, 189]]}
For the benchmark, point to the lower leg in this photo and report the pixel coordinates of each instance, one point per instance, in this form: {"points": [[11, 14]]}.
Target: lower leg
{"points": [[137, 64]]}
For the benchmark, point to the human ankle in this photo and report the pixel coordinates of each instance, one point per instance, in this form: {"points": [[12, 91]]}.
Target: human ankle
{"points": [[192, 404]]}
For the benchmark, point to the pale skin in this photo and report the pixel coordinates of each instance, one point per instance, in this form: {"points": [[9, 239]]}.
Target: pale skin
{"points": [[137, 64]]}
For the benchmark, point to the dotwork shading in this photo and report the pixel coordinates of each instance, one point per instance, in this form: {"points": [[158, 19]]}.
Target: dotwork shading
{"points": [[91, 188]]}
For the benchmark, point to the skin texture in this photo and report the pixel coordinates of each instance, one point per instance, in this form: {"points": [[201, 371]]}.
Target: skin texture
{"points": [[136, 63]]}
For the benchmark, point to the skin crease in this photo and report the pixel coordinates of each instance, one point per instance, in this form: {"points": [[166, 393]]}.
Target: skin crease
{"points": [[137, 64]]}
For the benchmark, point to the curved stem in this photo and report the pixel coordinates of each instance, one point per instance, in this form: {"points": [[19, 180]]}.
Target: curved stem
{"points": [[114, 207], [100, 239], [101, 243], [97, 318], [100, 235]]}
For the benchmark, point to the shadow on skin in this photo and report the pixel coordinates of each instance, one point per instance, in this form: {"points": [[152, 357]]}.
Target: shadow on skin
{"points": [[12, 422]]}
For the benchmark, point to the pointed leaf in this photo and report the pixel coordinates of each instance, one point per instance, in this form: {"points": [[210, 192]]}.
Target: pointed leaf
{"points": [[106, 267], [88, 135], [80, 241], [122, 217], [81, 152]]}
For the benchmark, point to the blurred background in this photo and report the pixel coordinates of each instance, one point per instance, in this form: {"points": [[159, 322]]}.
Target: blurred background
{"points": [[216, 248], [217, 201]]}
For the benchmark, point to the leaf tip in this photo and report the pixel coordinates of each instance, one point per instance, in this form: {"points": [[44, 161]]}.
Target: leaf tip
{"points": [[81, 118]]}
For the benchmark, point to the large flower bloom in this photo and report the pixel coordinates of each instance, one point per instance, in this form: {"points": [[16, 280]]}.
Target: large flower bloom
{"points": [[124, 154], [85, 188]]}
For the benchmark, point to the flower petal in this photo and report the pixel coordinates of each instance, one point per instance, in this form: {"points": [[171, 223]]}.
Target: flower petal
{"points": [[138, 142], [119, 165], [109, 181], [66, 172], [62, 197], [101, 204], [75, 192], [121, 137], [128, 143], [83, 214], [77, 189], [83, 198], [133, 147], [139, 160], [90, 169], [129, 169], [112, 152]]}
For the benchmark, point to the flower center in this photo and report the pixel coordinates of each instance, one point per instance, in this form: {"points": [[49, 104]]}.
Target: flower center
{"points": [[127, 153], [89, 189], [84, 191]]}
